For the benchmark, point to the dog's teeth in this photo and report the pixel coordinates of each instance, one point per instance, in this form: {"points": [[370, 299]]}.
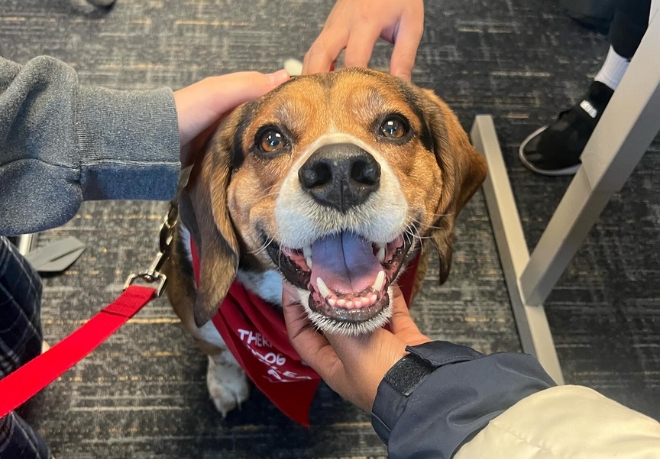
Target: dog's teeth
{"points": [[332, 302], [349, 304], [341, 303], [379, 282], [381, 254], [307, 252], [323, 289], [372, 298]]}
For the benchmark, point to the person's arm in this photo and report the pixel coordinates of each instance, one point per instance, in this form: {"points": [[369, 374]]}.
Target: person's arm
{"points": [[441, 400], [62, 143], [356, 25], [442, 394]]}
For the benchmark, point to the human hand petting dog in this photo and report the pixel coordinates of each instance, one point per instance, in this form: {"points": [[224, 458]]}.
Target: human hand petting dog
{"points": [[353, 366], [202, 105], [356, 25]]}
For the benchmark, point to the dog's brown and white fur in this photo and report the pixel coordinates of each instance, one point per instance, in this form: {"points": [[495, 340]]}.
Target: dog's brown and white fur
{"points": [[350, 161]]}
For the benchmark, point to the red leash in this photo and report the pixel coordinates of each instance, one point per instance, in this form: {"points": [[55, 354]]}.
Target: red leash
{"points": [[32, 377], [29, 379]]}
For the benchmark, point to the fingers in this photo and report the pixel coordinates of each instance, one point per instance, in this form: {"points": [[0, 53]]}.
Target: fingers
{"points": [[200, 105], [299, 328], [361, 44], [357, 25], [402, 323], [403, 59], [325, 50], [406, 44], [400, 312], [236, 88], [311, 345]]}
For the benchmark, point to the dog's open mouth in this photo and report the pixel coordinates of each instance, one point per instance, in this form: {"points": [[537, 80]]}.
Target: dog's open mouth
{"points": [[346, 275]]}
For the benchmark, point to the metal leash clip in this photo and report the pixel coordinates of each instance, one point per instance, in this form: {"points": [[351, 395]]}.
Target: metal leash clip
{"points": [[165, 237]]}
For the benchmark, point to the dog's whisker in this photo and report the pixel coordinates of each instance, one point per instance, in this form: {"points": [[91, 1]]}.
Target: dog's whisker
{"points": [[414, 234], [263, 247], [426, 226], [444, 214]]}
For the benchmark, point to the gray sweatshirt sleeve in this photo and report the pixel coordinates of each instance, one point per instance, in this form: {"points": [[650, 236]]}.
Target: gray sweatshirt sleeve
{"points": [[62, 143]]}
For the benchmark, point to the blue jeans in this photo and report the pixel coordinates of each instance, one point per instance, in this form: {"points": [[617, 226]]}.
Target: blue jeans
{"points": [[20, 342]]}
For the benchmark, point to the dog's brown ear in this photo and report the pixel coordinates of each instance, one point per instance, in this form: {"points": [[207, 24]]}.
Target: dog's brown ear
{"points": [[203, 207], [463, 172]]}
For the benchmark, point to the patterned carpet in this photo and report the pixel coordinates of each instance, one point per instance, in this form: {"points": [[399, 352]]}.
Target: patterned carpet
{"points": [[143, 393]]}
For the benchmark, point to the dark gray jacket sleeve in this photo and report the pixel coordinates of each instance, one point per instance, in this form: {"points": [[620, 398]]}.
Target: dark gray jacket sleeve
{"points": [[62, 143], [462, 392]]}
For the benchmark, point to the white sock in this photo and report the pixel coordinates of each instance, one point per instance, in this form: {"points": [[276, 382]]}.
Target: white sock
{"points": [[613, 69]]}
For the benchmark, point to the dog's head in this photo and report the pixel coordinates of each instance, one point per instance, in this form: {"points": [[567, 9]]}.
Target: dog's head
{"points": [[332, 181]]}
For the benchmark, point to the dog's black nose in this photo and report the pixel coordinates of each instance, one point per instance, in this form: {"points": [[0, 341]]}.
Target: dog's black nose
{"points": [[341, 176]]}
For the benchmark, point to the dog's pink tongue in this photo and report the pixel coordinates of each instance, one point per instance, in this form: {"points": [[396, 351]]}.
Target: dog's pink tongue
{"points": [[345, 262]]}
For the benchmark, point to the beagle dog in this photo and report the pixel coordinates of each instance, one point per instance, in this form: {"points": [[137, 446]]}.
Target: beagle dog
{"points": [[332, 182]]}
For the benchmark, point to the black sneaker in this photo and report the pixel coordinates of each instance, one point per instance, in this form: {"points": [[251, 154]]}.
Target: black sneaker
{"points": [[556, 149]]}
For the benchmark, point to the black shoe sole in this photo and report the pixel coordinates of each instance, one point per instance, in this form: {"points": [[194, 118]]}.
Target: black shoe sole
{"points": [[550, 173]]}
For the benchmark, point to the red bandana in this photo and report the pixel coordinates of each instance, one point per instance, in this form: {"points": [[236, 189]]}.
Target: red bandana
{"points": [[255, 333]]}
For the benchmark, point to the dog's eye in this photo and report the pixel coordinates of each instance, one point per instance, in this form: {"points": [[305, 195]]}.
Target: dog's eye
{"points": [[271, 141], [394, 128]]}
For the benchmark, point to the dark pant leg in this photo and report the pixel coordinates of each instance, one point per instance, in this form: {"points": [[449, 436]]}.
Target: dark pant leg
{"points": [[19, 441], [20, 307], [20, 341], [629, 25]]}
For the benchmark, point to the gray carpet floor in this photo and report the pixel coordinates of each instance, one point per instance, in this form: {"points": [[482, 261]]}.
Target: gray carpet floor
{"points": [[143, 394]]}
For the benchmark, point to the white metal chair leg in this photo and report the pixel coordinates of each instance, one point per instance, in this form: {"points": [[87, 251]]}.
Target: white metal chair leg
{"points": [[26, 243], [623, 134], [531, 321]]}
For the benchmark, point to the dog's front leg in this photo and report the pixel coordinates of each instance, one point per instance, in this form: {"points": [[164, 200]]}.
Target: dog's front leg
{"points": [[227, 383]]}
